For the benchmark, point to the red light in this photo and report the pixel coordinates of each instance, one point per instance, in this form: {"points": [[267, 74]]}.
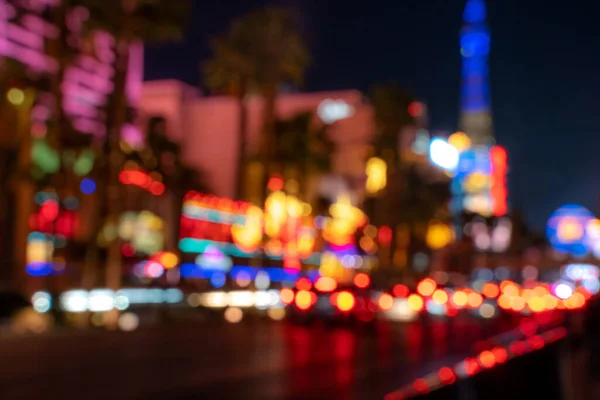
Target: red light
{"points": [[49, 210], [127, 250], [275, 183], [501, 355], [384, 235], [447, 375], [490, 290], [401, 291], [415, 109], [487, 359], [362, 280], [498, 155], [303, 284], [421, 386]]}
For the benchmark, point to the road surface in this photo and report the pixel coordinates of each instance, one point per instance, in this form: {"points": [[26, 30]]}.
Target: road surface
{"points": [[250, 360]]}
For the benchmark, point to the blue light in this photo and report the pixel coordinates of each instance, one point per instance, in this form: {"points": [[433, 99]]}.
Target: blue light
{"points": [[218, 279], [474, 11], [576, 214], [39, 268], [87, 186]]}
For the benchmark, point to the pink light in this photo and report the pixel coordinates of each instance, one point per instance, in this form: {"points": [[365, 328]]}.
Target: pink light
{"points": [[135, 73]]}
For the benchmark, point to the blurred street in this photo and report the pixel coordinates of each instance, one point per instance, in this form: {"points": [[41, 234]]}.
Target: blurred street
{"points": [[256, 358]]}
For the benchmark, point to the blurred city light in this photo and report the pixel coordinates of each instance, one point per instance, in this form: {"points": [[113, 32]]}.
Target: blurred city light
{"points": [[443, 154]]}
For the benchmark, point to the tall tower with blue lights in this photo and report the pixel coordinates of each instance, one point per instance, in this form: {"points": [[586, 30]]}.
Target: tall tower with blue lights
{"points": [[475, 114]]}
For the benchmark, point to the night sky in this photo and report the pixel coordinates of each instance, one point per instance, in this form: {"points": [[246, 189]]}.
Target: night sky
{"points": [[544, 67]]}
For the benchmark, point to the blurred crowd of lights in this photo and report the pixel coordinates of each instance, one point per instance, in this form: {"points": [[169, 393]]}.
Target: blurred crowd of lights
{"points": [[480, 362], [102, 300]]}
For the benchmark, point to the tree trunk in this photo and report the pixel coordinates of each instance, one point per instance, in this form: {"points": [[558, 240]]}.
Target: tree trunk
{"points": [[242, 141], [269, 135]]}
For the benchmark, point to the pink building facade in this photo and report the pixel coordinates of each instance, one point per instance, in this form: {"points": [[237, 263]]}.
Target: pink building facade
{"points": [[206, 127]]}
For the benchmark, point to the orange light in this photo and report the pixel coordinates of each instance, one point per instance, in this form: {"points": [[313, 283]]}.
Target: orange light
{"points": [[168, 260], [550, 302], [474, 300], [487, 359], [541, 290], [504, 302], [460, 299], [509, 288], [386, 301], [325, 284], [287, 296], [303, 300], [401, 291], [517, 303], [577, 300], [584, 292], [490, 290], [303, 284], [362, 280], [275, 184], [415, 302], [426, 287], [440, 297], [345, 301]]}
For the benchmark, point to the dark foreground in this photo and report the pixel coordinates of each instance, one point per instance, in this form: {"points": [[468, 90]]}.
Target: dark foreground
{"points": [[250, 360]]}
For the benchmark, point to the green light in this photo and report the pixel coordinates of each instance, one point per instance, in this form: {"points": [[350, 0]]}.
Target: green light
{"points": [[44, 156], [84, 163]]}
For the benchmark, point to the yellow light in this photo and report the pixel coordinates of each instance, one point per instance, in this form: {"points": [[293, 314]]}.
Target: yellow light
{"points": [[460, 141], [294, 207], [16, 96], [249, 236], [476, 182], [376, 175], [439, 235], [569, 229], [275, 206]]}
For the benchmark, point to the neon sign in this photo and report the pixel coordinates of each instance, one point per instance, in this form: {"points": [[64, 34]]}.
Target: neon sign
{"points": [[498, 190], [23, 33], [143, 180]]}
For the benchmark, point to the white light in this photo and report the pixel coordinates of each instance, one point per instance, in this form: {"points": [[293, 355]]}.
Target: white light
{"points": [[101, 300], [241, 299], [74, 301], [215, 299], [121, 302], [563, 291], [128, 322], [443, 154], [42, 301], [334, 110], [262, 280], [400, 311], [487, 310], [262, 300]]}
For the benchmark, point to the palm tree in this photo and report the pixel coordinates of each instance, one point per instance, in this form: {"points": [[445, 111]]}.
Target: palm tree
{"points": [[129, 21], [261, 51], [303, 148]]}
